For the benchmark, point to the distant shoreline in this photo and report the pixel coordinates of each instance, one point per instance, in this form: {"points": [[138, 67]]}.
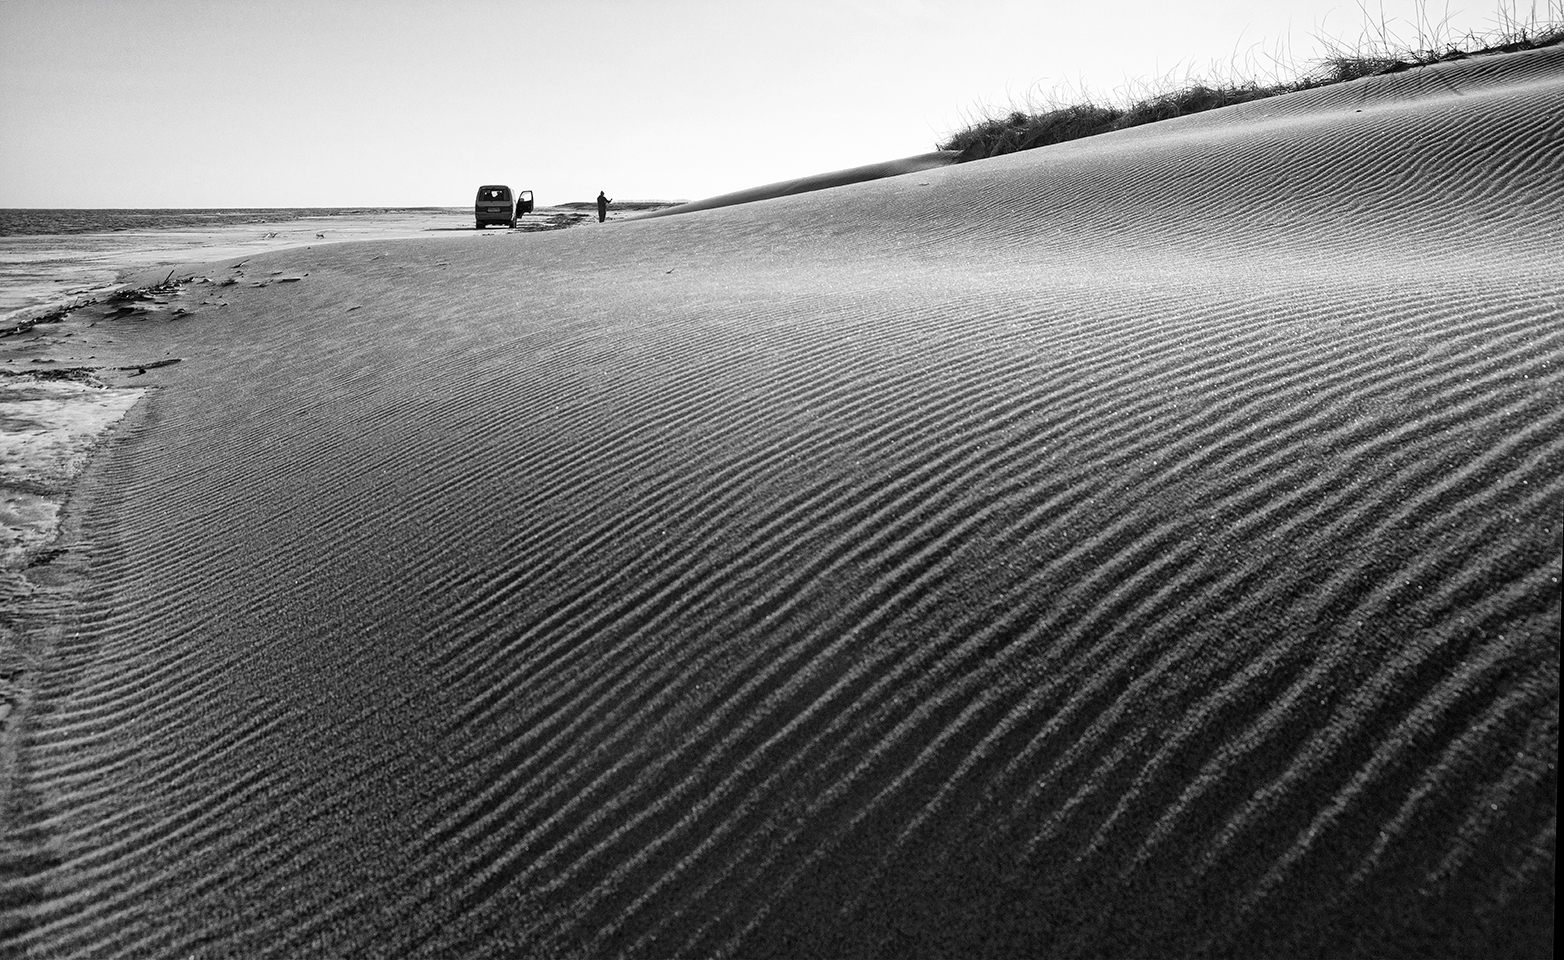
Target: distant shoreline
{"points": [[52, 257], [62, 221]]}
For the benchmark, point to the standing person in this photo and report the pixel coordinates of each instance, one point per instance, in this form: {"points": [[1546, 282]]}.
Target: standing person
{"points": [[602, 206]]}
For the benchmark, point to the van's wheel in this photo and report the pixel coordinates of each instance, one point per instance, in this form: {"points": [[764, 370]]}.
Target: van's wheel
{"points": [[478, 227], [511, 224]]}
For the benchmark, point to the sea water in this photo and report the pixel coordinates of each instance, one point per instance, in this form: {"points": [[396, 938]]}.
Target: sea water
{"points": [[51, 257]]}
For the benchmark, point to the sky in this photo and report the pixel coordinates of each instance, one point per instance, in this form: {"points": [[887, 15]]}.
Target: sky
{"points": [[339, 103]]}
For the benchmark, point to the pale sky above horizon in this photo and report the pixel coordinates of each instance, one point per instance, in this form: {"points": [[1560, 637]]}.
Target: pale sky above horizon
{"points": [[273, 103]]}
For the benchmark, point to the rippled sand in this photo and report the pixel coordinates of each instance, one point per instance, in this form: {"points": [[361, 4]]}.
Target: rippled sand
{"points": [[1145, 545]]}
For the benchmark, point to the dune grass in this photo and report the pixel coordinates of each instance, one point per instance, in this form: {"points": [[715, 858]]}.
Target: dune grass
{"points": [[1380, 50]]}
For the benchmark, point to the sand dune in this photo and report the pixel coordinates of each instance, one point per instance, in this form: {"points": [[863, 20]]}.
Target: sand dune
{"points": [[1148, 545], [820, 181]]}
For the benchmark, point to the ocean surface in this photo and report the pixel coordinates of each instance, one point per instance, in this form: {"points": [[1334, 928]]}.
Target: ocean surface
{"points": [[51, 257], [16, 222]]}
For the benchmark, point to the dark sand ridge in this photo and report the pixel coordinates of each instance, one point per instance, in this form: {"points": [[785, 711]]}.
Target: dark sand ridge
{"points": [[819, 181], [1148, 544]]}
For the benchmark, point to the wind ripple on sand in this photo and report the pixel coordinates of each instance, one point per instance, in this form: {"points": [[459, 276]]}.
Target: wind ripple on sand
{"points": [[1146, 545]]}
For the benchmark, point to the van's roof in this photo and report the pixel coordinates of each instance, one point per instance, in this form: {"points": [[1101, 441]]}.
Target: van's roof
{"points": [[494, 186]]}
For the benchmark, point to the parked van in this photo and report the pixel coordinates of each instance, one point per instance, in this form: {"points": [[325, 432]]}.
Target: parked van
{"points": [[494, 205]]}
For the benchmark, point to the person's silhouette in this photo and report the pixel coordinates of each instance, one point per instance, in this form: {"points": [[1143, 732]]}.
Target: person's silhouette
{"points": [[602, 206]]}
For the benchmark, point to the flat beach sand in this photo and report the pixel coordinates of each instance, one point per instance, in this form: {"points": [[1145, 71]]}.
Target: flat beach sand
{"points": [[1146, 545]]}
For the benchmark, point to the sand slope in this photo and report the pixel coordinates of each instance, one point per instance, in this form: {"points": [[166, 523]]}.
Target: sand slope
{"points": [[820, 181], [1149, 544]]}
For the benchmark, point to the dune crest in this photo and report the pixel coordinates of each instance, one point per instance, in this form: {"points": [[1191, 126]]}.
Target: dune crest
{"points": [[1145, 545], [819, 181]]}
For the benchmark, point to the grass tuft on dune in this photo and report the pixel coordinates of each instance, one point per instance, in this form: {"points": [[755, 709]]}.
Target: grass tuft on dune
{"points": [[1380, 50]]}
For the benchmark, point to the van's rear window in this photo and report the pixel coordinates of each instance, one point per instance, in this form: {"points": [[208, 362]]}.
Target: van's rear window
{"points": [[493, 193]]}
